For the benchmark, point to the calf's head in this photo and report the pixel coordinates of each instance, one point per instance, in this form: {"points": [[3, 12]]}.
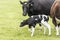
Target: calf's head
{"points": [[23, 23]]}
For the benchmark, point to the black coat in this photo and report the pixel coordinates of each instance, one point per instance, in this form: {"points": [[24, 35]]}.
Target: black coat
{"points": [[40, 7]]}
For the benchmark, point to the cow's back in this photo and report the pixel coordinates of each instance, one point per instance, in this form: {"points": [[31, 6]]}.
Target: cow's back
{"points": [[42, 3], [40, 7]]}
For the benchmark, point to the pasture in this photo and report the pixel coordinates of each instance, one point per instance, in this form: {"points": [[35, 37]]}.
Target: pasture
{"points": [[10, 18]]}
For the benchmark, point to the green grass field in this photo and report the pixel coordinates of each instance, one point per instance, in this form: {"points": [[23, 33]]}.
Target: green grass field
{"points": [[10, 18]]}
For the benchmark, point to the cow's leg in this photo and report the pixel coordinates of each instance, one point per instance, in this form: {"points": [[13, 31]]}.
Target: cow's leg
{"points": [[49, 28], [32, 27], [29, 28], [56, 26], [32, 31], [47, 25], [57, 30], [44, 30]]}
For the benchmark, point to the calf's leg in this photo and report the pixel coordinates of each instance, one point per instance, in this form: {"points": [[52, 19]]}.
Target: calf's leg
{"points": [[47, 25], [44, 30], [32, 31]]}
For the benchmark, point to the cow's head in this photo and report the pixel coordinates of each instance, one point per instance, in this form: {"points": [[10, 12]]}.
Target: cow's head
{"points": [[25, 7]]}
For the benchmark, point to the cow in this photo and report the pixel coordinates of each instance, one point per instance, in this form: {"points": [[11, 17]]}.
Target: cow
{"points": [[55, 15], [33, 20], [36, 7]]}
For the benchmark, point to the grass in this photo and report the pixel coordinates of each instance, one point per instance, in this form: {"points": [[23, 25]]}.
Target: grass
{"points": [[10, 18]]}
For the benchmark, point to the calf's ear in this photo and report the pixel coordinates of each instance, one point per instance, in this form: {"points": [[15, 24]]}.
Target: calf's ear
{"points": [[21, 2]]}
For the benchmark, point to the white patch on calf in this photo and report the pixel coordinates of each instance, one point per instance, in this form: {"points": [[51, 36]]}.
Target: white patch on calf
{"points": [[36, 19], [47, 25], [44, 16]]}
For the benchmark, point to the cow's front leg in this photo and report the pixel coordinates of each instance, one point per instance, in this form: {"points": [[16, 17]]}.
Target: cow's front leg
{"points": [[32, 31]]}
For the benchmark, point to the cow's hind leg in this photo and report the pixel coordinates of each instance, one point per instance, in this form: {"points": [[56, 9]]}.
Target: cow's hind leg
{"points": [[56, 26]]}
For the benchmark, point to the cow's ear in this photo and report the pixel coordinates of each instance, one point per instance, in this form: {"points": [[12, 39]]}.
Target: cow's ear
{"points": [[21, 2]]}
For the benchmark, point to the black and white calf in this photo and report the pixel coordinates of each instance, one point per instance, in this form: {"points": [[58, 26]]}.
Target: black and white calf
{"points": [[33, 20]]}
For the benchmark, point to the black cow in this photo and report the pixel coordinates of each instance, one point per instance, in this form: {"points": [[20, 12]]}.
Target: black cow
{"points": [[36, 7], [33, 20]]}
